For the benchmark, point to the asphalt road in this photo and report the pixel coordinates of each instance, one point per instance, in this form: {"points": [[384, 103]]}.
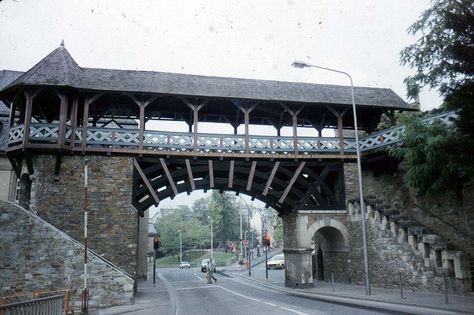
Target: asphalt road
{"points": [[232, 295]]}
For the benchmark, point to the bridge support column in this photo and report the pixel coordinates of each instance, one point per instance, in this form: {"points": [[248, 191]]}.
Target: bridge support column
{"points": [[297, 249]]}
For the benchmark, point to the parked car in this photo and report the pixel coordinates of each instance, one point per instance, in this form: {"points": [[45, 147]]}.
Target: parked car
{"points": [[276, 262], [184, 265], [204, 263]]}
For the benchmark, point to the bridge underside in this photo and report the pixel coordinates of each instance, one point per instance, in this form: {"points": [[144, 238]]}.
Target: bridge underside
{"points": [[282, 185]]}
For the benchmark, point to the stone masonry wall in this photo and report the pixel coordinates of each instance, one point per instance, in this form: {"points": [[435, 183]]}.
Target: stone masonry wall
{"points": [[37, 257], [112, 221], [391, 249]]}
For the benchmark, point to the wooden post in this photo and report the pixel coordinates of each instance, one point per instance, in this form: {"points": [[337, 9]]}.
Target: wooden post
{"points": [[295, 132], [28, 109], [246, 124], [141, 136], [340, 131], [339, 127], [85, 122], [62, 119], [74, 121]]}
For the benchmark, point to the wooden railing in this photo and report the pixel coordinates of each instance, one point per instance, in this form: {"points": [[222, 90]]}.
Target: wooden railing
{"points": [[206, 142]]}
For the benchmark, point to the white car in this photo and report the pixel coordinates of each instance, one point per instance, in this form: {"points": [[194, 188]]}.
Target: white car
{"points": [[204, 263], [184, 265], [276, 262]]}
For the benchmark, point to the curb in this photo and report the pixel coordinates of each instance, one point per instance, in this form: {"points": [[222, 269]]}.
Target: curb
{"points": [[363, 303]]}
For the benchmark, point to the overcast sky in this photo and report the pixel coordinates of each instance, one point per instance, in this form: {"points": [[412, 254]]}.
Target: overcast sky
{"points": [[240, 38]]}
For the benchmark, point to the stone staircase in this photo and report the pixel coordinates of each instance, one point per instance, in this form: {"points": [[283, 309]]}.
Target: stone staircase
{"points": [[425, 258], [43, 258]]}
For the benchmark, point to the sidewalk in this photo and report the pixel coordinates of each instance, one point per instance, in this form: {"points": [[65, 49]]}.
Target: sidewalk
{"points": [[380, 299], [150, 299]]}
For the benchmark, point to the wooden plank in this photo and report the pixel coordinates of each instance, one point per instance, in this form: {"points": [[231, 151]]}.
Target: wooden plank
{"points": [[147, 183], [270, 179], [211, 174], [168, 175], [251, 175], [231, 174], [291, 183], [190, 174]]}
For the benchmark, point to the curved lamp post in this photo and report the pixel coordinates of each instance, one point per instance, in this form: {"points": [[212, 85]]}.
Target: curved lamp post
{"points": [[302, 64]]}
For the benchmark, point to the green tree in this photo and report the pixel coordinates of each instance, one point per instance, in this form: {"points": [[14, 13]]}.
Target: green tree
{"points": [[201, 210], [194, 233], [225, 217], [278, 229], [431, 156], [436, 158], [443, 56]]}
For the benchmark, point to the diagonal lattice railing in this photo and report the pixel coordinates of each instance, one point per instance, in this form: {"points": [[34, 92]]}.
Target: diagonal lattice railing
{"points": [[220, 143]]}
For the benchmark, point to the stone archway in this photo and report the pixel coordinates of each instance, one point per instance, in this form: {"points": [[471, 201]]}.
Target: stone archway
{"points": [[331, 244]]}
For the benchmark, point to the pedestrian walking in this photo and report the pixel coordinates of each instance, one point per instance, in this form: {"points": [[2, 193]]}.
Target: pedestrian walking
{"points": [[211, 268]]}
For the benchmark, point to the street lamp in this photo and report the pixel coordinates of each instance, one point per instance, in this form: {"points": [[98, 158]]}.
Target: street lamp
{"points": [[180, 247], [302, 64]]}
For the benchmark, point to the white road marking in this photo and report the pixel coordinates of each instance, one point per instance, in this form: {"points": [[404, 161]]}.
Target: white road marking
{"points": [[268, 303], [301, 313], [271, 304], [241, 295], [193, 288]]}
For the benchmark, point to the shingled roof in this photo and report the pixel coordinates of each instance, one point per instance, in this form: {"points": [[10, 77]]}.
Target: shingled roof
{"points": [[60, 69]]}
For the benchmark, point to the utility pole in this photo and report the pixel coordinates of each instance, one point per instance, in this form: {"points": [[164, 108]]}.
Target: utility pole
{"points": [[85, 291], [180, 247]]}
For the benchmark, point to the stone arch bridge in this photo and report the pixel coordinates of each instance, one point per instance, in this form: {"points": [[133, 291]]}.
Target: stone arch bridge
{"points": [[61, 114]]}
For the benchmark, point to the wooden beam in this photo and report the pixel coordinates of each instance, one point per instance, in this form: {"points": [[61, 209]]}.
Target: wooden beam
{"points": [[211, 174], [16, 165], [231, 174], [251, 175], [312, 189], [168, 175], [291, 183], [29, 163], [190, 175], [270, 179], [147, 183]]}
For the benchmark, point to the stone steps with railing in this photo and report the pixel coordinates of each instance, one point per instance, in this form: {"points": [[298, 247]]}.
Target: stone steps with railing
{"points": [[426, 254], [42, 257]]}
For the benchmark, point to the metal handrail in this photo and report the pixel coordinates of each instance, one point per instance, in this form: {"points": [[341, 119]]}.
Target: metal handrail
{"points": [[51, 305]]}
